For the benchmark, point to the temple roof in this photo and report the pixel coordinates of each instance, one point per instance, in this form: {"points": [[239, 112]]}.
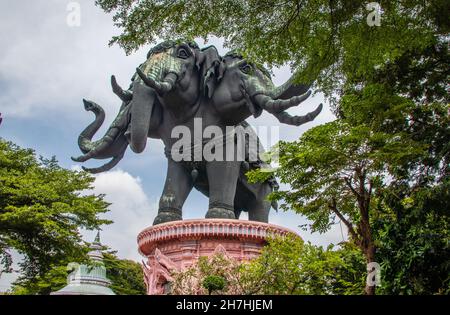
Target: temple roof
{"points": [[88, 279]]}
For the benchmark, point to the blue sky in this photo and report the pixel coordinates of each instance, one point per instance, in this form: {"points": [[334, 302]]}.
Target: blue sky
{"points": [[48, 67]]}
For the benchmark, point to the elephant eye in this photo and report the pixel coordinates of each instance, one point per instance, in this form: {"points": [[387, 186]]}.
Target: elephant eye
{"points": [[246, 68], [183, 53]]}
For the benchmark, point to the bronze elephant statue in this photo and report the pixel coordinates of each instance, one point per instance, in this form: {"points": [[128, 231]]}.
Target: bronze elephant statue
{"points": [[196, 93]]}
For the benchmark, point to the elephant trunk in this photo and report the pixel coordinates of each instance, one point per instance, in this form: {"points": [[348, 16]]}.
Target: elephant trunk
{"points": [[85, 138], [285, 118], [141, 111], [145, 90]]}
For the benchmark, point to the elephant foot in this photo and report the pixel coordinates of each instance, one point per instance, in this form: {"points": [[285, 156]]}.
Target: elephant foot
{"points": [[220, 213], [168, 216]]}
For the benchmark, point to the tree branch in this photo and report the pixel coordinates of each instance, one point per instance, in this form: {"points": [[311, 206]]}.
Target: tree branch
{"points": [[333, 207], [349, 185]]}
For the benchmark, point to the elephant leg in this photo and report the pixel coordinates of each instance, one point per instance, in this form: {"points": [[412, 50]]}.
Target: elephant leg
{"points": [[176, 189], [259, 211], [259, 208], [222, 178]]}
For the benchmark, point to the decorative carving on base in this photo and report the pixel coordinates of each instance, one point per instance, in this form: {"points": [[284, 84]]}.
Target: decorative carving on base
{"points": [[176, 245], [157, 272]]}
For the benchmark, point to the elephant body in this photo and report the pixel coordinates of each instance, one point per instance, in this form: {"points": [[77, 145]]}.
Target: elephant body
{"points": [[175, 89]]}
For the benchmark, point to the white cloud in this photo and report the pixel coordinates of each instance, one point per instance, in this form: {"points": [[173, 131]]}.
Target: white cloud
{"points": [[48, 66], [131, 210]]}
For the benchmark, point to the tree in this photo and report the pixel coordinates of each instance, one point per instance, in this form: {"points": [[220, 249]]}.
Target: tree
{"points": [[414, 241], [287, 265], [127, 277], [41, 210], [334, 171], [51, 281], [412, 218], [327, 41], [213, 283], [377, 165]]}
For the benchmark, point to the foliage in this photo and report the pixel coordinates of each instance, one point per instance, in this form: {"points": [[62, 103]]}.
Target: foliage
{"points": [[385, 153], [411, 222], [289, 266], [413, 234], [327, 41], [126, 276], [335, 171], [190, 281], [41, 210], [329, 163], [286, 266], [213, 283], [53, 280]]}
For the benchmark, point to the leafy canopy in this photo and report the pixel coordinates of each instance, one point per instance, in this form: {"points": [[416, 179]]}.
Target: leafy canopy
{"points": [[42, 208], [127, 277], [327, 41], [213, 283], [287, 265]]}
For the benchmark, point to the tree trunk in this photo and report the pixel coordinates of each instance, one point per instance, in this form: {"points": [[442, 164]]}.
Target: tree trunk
{"points": [[367, 245], [370, 257]]}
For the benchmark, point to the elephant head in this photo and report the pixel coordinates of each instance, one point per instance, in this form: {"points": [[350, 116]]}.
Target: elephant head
{"points": [[247, 89], [173, 77], [180, 73]]}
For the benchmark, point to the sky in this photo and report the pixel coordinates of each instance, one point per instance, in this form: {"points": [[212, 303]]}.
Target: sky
{"points": [[47, 66]]}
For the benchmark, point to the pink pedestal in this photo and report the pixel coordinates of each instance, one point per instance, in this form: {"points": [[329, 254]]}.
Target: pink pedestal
{"points": [[177, 245]]}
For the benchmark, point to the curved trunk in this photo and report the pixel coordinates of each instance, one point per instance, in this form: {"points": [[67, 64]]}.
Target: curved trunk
{"points": [[107, 166], [285, 118], [85, 138], [141, 111], [112, 143]]}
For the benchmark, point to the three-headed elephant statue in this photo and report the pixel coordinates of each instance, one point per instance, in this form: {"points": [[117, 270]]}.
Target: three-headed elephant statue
{"points": [[196, 102]]}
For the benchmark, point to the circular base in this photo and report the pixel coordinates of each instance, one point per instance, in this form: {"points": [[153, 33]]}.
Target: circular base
{"points": [[176, 245]]}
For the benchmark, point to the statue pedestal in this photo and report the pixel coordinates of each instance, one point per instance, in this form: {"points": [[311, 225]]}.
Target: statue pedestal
{"points": [[177, 245]]}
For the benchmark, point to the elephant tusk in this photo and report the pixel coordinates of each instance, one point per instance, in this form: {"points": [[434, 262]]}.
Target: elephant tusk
{"points": [[279, 105], [285, 118], [160, 87], [288, 90], [125, 96]]}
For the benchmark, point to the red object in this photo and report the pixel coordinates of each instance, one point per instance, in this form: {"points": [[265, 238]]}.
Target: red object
{"points": [[177, 245]]}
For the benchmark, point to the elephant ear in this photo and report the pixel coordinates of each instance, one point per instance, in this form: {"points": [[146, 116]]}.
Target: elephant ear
{"points": [[211, 68]]}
